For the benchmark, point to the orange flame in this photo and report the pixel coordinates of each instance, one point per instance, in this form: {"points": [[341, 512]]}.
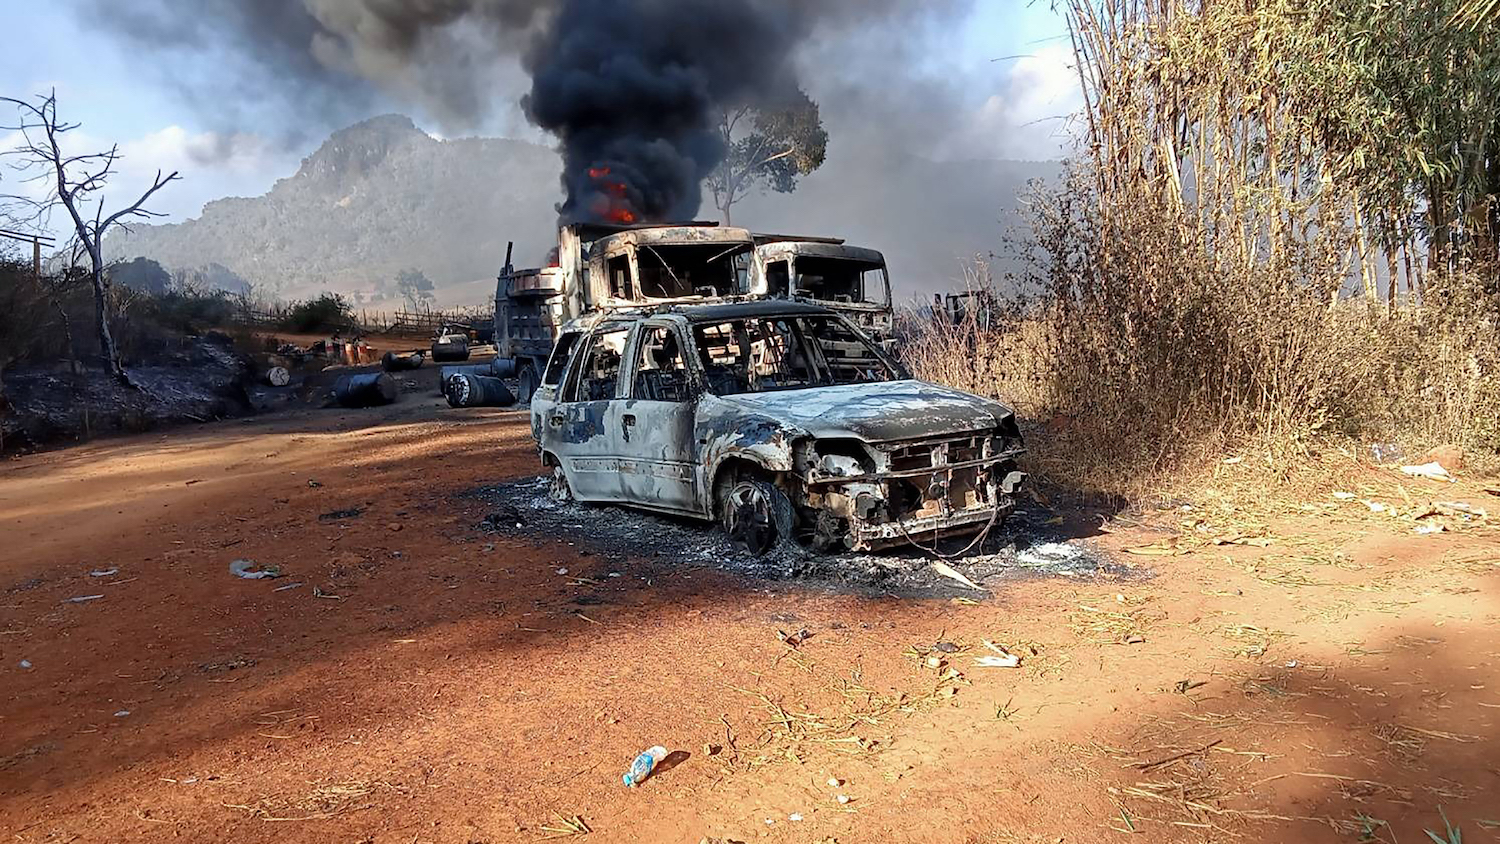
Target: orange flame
{"points": [[598, 172]]}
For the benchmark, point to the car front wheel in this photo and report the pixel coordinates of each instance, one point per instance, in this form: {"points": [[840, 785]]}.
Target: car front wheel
{"points": [[756, 516]]}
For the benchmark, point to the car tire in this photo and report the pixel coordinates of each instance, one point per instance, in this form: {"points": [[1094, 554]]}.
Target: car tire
{"points": [[756, 516], [559, 490]]}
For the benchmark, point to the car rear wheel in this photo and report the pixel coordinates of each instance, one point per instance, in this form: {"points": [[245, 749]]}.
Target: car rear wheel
{"points": [[756, 516], [559, 490]]}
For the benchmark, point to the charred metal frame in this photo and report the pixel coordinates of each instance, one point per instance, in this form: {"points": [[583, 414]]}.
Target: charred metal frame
{"points": [[934, 474]]}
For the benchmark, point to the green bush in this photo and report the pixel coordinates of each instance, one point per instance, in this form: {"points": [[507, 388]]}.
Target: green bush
{"points": [[329, 311]]}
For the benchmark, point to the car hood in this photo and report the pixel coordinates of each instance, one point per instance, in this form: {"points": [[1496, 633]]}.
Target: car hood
{"points": [[881, 412]]}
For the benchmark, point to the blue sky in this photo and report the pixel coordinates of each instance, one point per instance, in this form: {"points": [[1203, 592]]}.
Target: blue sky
{"points": [[102, 85]]}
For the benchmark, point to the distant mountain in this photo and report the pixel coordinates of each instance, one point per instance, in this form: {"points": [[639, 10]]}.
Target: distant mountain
{"points": [[382, 196], [377, 197]]}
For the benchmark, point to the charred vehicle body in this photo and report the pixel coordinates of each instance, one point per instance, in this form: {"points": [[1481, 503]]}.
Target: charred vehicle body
{"points": [[851, 280], [778, 418]]}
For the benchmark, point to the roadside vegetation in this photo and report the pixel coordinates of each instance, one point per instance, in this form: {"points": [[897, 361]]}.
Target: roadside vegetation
{"points": [[1279, 234]]}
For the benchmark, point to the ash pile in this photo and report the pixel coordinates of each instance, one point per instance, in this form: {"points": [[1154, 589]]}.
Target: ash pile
{"points": [[1028, 545]]}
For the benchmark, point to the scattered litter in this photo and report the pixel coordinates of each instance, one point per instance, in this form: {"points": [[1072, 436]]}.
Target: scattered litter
{"points": [[945, 647], [1048, 554], [562, 571], [25, 663], [1385, 452], [770, 822], [1378, 507], [313, 484], [1291, 663], [1431, 527], [104, 572], [1456, 508], [1345, 496], [952, 573], [1134, 639], [643, 765], [934, 662], [242, 568], [288, 586], [843, 799], [834, 782], [794, 817], [336, 515], [1433, 470], [1230, 461], [794, 640], [1008, 661], [82, 598], [122, 713], [319, 593]]}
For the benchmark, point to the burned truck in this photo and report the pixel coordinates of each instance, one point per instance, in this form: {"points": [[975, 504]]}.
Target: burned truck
{"points": [[851, 280], [779, 419], [599, 267]]}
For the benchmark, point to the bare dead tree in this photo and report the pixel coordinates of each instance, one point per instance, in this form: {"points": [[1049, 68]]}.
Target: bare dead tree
{"points": [[74, 182]]}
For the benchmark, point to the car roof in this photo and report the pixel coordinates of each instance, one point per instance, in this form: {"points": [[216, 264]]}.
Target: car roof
{"points": [[753, 308]]}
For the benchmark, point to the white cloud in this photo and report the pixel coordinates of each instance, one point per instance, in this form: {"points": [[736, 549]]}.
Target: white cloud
{"points": [[1030, 118], [211, 165]]}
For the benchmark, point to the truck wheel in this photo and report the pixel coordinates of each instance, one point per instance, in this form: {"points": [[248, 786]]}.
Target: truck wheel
{"points": [[756, 516], [526, 384]]}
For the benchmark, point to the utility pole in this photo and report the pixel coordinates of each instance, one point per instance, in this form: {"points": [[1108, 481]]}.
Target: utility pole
{"points": [[36, 241]]}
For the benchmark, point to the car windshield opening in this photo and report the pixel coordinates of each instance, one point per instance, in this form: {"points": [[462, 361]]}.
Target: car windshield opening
{"points": [[841, 280], [678, 271], [786, 353]]}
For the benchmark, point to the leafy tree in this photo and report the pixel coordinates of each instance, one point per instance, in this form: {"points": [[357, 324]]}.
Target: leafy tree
{"points": [[415, 287], [141, 274], [770, 146]]}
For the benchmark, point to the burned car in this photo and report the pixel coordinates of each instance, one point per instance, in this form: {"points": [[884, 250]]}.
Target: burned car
{"points": [[780, 419]]}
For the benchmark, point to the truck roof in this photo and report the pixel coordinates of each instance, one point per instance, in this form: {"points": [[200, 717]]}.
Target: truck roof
{"points": [[687, 234], [821, 248]]}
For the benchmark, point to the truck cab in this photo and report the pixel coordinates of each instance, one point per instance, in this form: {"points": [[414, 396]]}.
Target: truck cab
{"points": [[850, 280], [599, 267]]}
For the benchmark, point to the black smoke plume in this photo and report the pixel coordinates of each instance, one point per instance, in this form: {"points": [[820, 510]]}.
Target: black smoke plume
{"points": [[634, 91]]}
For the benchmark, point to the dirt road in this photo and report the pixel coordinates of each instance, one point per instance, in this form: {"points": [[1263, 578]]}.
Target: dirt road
{"points": [[1314, 671]]}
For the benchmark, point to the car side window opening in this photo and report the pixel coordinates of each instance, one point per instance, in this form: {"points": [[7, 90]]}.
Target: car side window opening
{"points": [[661, 372], [599, 368], [761, 355], [558, 364]]}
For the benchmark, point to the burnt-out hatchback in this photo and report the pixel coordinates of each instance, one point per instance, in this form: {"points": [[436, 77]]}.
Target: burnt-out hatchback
{"points": [[779, 419]]}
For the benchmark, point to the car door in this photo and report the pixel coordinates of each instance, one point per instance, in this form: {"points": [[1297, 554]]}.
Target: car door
{"points": [[659, 456], [546, 395], [582, 429]]}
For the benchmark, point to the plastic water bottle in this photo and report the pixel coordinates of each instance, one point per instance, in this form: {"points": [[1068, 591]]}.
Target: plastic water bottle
{"points": [[643, 765]]}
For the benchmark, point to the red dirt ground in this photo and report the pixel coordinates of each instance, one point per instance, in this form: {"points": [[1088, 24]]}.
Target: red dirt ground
{"points": [[1341, 683]]}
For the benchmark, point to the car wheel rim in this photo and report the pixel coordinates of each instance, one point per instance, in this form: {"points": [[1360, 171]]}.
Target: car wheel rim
{"points": [[559, 490], [750, 523]]}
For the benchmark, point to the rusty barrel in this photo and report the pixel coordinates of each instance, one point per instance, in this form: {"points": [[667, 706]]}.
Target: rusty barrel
{"points": [[392, 362], [485, 369], [370, 390], [478, 391]]}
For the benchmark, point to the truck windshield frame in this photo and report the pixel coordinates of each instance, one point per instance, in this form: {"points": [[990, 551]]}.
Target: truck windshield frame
{"points": [[685, 270]]}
